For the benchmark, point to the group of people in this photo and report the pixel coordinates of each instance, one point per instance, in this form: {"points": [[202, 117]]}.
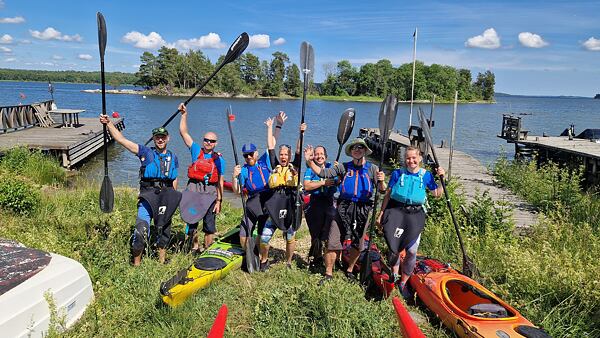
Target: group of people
{"points": [[337, 213]]}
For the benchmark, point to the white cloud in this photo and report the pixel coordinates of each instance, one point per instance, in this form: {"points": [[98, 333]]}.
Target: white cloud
{"points": [[488, 40], [592, 44], [10, 60], [25, 42], [86, 57], [259, 41], [279, 42], [139, 40], [136, 66], [16, 19], [532, 40], [6, 39], [52, 34], [5, 50], [47, 63], [211, 40], [57, 57]]}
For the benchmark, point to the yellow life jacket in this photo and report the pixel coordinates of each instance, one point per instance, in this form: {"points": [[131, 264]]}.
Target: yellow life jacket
{"points": [[283, 177]]}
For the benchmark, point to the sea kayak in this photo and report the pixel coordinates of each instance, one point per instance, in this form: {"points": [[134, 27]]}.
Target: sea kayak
{"points": [[380, 272], [29, 279], [465, 306], [223, 256], [408, 327]]}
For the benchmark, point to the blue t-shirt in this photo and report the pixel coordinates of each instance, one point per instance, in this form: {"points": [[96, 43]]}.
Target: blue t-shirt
{"points": [[264, 159], [309, 175], [158, 166], [428, 179], [195, 150]]}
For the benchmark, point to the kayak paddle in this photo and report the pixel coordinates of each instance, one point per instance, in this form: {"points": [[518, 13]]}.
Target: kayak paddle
{"points": [[235, 50], [107, 195], [387, 117], [307, 63], [345, 129], [251, 258], [469, 268]]}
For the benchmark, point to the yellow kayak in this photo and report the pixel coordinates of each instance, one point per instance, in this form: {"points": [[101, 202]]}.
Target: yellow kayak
{"points": [[223, 256]]}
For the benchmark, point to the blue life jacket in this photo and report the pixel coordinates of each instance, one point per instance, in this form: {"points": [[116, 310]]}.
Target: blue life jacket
{"points": [[410, 189], [258, 177], [356, 185], [159, 167]]}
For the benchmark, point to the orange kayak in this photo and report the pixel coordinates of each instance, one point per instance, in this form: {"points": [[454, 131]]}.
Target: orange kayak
{"points": [[466, 307]]}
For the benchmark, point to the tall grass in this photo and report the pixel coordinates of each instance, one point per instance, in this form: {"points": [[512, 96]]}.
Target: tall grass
{"points": [[551, 276]]}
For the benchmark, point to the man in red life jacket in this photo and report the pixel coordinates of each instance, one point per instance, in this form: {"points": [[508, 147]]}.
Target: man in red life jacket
{"points": [[204, 193]]}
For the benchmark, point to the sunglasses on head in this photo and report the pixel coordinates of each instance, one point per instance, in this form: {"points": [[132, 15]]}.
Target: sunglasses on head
{"points": [[207, 140], [358, 147], [286, 146], [248, 155]]}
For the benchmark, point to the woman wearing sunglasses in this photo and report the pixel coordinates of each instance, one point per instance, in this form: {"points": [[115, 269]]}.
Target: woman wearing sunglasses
{"points": [[281, 206], [348, 228], [204, 192]]}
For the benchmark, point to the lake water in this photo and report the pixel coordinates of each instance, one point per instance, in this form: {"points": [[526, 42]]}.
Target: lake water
{"points": [[476, 127]]}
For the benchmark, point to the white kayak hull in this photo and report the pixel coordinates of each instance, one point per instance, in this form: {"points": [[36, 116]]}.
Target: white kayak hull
{"points": [[25, 310]]}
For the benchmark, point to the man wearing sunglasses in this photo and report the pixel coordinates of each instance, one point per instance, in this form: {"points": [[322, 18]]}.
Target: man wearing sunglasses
{"points": [[204, 192], [360, 178], [158, 198]]}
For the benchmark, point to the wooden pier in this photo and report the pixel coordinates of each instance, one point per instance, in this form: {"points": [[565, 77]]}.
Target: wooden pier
{"points": [[34, 127], [469, 172], [567, 150]]}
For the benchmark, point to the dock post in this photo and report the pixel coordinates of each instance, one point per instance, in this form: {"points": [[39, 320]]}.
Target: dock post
{"points": [[452, 135]]}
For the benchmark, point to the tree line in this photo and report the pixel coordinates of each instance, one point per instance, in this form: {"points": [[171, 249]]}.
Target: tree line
{"points": [[381, 78], [114, 79]]}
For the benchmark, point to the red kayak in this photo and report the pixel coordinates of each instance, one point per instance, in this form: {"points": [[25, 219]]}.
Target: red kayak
{"points": [[380, 272], [407, 325]]}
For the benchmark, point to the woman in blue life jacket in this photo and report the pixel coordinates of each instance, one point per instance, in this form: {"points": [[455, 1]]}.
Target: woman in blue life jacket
{"points": [[320, 210], [254, 178], [158, 198], [204, 191], [348, 228], [403, 216], [281, 206]]}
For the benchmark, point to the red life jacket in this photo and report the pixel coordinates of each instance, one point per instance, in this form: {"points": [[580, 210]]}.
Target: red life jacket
{"points": [[205, 169]]}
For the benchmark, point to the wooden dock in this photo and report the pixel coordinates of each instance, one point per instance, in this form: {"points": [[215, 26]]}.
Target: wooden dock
{"points": [[71, 145], [567, 150], [469, 172]]}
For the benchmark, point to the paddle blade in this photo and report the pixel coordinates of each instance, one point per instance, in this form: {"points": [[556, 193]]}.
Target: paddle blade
{"points": [[307, 59], [387, 116], [107, 195], [237, 48], [365, 269], [346, 125], [251, 257], [101, 34], [218, 328]]}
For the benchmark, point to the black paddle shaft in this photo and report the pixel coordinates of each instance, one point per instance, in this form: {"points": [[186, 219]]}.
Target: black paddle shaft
{"points": [[235, 50], [468, 266], [106, 190]]}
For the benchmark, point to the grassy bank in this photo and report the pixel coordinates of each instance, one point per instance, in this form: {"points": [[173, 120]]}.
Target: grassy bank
{"points": [[551, 277]]}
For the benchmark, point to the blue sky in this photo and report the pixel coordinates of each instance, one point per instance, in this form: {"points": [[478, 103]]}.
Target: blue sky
{"points": [[533, 47]]}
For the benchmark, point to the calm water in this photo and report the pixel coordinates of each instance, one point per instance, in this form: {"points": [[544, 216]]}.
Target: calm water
{"points": [[477, 124]]}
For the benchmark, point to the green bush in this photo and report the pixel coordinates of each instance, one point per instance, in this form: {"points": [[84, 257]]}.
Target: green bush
{"points": [[34, 165], [18, 196]]}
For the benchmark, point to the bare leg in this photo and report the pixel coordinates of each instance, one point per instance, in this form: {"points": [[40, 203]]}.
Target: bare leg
{"points": [[208, 240], [162, 253], [137, 260], [290, 246], [195, 241], [243, 241], [352, 258], [264, 252], [330, 257]]}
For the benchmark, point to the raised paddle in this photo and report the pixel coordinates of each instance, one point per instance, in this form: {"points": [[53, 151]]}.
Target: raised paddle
{"points": [[107, 195], [469, 268], [251, 258], [307, 63], [235, 50], [387, 117], [345, 129]]}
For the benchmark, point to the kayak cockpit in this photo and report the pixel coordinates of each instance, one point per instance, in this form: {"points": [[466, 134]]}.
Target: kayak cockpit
{"points": [[469, 300]]}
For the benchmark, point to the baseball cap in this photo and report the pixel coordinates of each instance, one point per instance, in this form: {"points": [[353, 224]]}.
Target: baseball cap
{"points": [[248, 148], [160, 131]]}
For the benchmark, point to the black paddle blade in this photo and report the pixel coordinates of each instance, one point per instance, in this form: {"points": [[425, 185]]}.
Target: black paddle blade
{"points": [[387, 117], [346, 125], [101, 33], [107, 196], [307, 59], [237, 48], [251, 257], [365, 269]]}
